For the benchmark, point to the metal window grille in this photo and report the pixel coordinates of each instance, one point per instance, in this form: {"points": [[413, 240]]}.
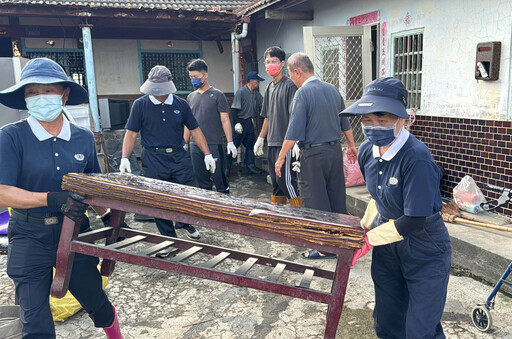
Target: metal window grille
{"points": [[408, 55], [338, 61], [177, 64], [72, 62]]}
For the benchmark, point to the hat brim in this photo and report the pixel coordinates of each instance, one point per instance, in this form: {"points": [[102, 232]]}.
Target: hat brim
{"points": [[158, 88], [373, 104], [258, 78], [14, 96]]}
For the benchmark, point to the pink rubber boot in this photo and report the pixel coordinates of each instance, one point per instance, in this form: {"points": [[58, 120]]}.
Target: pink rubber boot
{"points": [[113, 331]]}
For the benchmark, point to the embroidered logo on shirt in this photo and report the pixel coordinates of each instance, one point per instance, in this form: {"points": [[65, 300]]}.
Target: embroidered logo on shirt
{"points": [[393, 181], [176, 111], [79, 157]]}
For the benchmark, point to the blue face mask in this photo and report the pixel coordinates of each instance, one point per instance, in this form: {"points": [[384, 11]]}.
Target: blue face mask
{"points": [[197, 82], [45, 107], [380, 135]]}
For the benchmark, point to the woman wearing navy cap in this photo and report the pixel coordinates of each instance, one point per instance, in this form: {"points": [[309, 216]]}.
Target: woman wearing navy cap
{"points": [[412, 252], [35, 153]]}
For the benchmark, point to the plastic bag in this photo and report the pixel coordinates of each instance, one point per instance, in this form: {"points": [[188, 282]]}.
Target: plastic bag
{"points": [[66, 306], [352, 172], [468, 196]]}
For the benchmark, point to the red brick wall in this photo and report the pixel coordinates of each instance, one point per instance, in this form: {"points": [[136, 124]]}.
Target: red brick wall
{"points": [[479, 148]]}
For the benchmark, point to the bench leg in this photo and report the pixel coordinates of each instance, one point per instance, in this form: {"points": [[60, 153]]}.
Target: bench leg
{"points": [[339, 287], [65, 257], [116, 220]]}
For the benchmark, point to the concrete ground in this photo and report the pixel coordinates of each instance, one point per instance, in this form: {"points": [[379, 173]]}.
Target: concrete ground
{"points": [[158, 304]]}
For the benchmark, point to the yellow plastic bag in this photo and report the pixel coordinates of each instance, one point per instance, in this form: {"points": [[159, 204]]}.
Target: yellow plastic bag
{"points": [[66, 306]]}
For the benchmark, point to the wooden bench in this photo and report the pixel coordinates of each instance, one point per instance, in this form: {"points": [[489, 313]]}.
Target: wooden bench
{"points": [[308, 228]]}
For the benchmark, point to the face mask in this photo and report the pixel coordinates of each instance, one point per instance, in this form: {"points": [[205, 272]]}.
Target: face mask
{"points": [[197, 82], [380, 135], [45, 107], [273, 69]]}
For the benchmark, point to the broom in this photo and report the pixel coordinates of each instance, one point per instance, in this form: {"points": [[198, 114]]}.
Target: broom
{"points": [[451, 213]]}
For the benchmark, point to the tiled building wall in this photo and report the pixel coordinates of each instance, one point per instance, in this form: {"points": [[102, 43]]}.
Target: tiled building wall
{"points": [[479, 148]]}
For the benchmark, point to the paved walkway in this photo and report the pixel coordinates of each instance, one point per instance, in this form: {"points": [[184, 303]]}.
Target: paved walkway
{"points": [[158, 304]]}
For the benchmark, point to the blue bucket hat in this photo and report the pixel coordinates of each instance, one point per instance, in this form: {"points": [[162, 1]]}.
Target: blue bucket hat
{"points": [[42, 71], [254, 75], [385, 94]]}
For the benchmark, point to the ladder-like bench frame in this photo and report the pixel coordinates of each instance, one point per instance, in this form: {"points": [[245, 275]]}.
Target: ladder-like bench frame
{"points": [[72, 242]]}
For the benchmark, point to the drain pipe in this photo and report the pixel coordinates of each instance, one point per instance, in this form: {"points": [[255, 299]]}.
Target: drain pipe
{"points": [[235, 51]]}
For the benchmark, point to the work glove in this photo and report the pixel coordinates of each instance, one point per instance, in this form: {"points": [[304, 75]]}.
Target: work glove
{"points": [[68, 203], [296, 151], [232, 149], [125, 166], [258, 146], [185, 147], [210, 163], [238, 128], [296, 166], [363, 250]]}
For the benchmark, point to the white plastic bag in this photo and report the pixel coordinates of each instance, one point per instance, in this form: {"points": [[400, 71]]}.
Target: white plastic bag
{"points": [[468, 196]]}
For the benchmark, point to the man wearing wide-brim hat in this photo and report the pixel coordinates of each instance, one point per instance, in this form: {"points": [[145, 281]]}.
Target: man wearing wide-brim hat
{"points": [[35, 154], [160, 117]]}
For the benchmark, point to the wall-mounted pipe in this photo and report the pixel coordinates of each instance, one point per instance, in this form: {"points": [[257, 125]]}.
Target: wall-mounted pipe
{"points": [[235, 54]]}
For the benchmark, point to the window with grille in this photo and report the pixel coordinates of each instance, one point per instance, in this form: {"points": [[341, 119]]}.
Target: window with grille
{"points": [[72, 62], [407, 64], [177, 64]]}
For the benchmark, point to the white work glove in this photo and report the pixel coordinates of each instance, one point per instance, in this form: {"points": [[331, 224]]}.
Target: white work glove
{"points": [[125, 166], [210, 163], [238, 128], [296, 166], [185, 147], [296, 151], [258, 146], [232, 149]]}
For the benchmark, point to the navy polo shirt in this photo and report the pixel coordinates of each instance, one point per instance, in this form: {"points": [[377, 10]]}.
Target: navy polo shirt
{"points": [[404, 180], [34, 160], [161, 124]]}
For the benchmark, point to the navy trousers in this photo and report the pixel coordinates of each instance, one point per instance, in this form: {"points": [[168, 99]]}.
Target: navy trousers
{"points": [[32, 254], [247, 138], [204, 178], [174, 167], [411, 278]]}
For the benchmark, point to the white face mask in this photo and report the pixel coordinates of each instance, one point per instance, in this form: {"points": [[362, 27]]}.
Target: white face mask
{"points": [[45, 107]]}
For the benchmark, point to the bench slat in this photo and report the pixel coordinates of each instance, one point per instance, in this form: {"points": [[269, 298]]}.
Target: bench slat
{"points": [[276, 272], [242, 270], [216, 260], [156, 248], [188, 253], [126, 242], [91, 234], [305, 281]]}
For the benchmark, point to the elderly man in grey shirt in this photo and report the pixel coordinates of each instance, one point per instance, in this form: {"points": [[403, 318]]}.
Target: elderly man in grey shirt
{"points": [[315, 124]]}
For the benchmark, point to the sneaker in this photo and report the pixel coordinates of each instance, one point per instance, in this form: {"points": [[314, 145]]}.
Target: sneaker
{"points": [[191, 232]]}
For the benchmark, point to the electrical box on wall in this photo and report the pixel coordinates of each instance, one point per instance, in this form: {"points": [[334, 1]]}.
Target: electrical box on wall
{"points": [[487, 64]]}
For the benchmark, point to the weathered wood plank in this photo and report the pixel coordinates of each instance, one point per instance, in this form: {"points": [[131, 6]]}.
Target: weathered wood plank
{"points": [[276, 272], [320, 227]]}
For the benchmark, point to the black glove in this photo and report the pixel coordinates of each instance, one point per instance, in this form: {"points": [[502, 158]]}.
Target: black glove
{"points": [[68, 203]]}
